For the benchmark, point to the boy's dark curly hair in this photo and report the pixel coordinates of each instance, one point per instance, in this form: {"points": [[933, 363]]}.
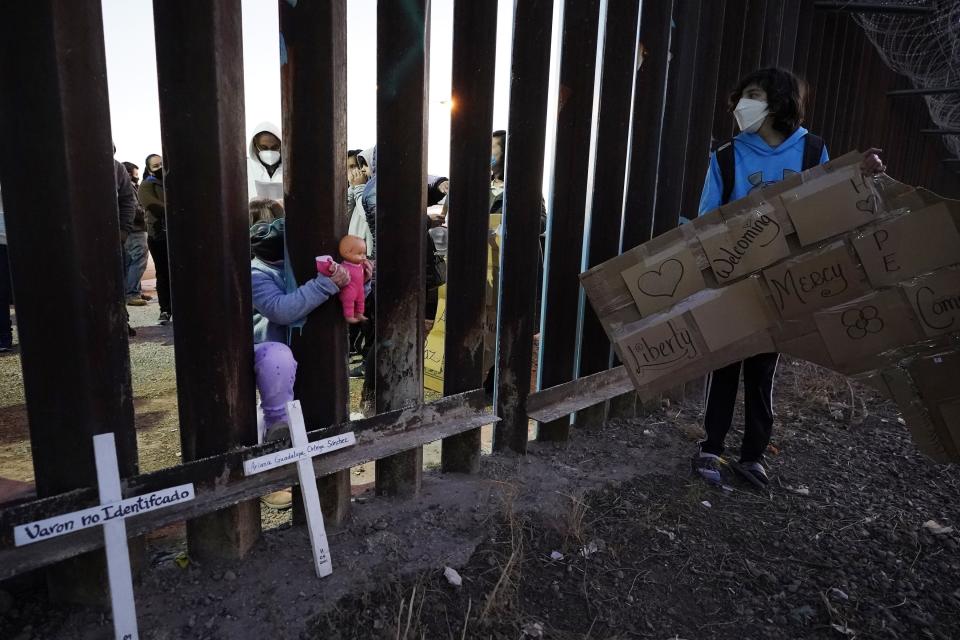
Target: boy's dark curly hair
{"points": [[786, 94]]}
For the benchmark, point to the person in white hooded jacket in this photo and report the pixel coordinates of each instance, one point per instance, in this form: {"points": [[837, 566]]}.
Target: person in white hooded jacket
{"points": [[264, 164]]}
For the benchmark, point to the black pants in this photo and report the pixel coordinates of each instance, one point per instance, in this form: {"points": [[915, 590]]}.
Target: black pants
{"points": [[158, 249], [722, 386]]}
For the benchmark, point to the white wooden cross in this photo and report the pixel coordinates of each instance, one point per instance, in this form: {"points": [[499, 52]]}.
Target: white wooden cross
{"points": [[109, 514], [302, 453]]}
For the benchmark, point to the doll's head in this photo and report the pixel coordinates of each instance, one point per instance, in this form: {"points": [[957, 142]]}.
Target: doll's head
{"points": [[353, 249]]}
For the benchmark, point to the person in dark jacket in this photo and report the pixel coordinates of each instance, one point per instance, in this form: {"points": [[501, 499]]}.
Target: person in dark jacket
{"points": [[126, 212], [154, 205], [135, 248]]}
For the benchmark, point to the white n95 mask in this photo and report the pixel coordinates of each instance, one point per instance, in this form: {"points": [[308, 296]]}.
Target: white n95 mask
{"points": [[750, 114], [269, 157]]}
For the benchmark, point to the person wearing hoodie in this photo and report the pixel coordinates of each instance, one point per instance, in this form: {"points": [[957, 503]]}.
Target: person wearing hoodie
{"points": [[154, 205], [768, 107], [265, 165], [279, 307], [357, 177]]}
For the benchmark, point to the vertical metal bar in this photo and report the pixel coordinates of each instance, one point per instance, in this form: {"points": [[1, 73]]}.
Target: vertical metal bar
{"points": [[60, 198], [653, 59], [772, 36], [731, 51], [471, 121], [558, 333], [673, 148], [313, 76], [811, 72], [201, 118], [526, 137], [605, 210], [863, 87], [753, 37], [789, 28], [401, 228], [876, 107], [832, 89], [803, 48], [702, 105], [822, 91]]}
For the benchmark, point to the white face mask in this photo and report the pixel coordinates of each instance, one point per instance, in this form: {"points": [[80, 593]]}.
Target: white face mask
{"points": [[750, 114], [269, 157]]}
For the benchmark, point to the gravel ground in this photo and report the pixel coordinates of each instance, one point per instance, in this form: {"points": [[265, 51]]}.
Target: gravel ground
{"points": [[854, 540]]}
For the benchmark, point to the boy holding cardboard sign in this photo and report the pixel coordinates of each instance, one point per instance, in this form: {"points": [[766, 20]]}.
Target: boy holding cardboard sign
{"points": [[768, 107]]}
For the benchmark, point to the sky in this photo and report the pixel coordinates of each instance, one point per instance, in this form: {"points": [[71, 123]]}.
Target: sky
{"points": [[132, 77]]}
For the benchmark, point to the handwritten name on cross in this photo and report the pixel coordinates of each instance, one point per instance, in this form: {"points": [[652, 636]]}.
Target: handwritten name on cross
{"points": [[301, 453], [110, 515]]}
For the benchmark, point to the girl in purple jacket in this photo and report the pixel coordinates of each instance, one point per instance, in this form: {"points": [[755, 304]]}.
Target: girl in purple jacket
{"points": [[279, 306]]}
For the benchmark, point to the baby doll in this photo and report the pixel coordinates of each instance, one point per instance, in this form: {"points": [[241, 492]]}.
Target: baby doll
{"points": [[353, 250]]}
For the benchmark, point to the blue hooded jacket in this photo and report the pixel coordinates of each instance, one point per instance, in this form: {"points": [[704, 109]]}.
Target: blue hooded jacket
{"points": [[756, 165]]}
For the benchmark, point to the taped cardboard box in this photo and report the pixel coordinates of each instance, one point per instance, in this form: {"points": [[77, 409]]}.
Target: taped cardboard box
{"points": [[909, 245], [733, 313], [935, 377], [744, 244], [815, 280], [936, 301], [867, 326], [841, 201], [696, 337], [687, 337], [649, 278], [659, 348], [932, 438]]}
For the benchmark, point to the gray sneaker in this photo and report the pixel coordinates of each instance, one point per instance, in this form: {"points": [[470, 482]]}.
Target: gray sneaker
{"points": [[707, 466], [754, 473], [277, 431]]}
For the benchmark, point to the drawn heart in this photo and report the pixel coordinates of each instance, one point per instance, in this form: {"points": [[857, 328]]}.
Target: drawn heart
{"points": [[868, 204], [663, 281]]}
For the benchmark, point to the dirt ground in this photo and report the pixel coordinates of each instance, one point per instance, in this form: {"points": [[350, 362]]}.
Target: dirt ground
{"points": [[607, 537]]}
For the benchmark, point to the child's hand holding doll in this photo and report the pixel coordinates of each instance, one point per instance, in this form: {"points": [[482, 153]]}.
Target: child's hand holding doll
{"points": [[355, 270]]}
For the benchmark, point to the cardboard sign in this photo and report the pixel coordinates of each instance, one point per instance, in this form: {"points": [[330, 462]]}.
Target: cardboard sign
{"points": [[936, 301], [830, 205], [734, 313], [825, 279], [865, 327], [433, 350], [655, 351], [909, 246], [937, 375], [663, 280], [744, 244], [111, 515]]}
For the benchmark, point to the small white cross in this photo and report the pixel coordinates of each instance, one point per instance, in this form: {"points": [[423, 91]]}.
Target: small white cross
{"points": [[111, 515], [302, 453]]}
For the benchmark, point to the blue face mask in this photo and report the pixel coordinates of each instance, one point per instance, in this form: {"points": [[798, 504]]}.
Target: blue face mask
{"points": [[493, 160]]}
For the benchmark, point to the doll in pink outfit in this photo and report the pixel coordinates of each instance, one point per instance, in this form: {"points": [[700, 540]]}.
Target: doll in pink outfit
{"points": [[353, 250]]}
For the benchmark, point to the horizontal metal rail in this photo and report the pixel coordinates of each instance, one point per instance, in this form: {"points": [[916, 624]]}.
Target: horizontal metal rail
{"points": [[872, 7], [219, 480], [568, 397], [928, 91]]}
